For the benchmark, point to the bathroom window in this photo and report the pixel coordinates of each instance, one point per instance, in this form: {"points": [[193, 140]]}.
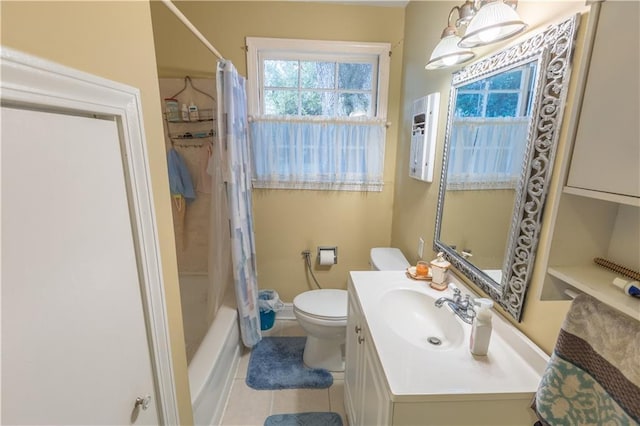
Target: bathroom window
{"points": [[317, 113]]}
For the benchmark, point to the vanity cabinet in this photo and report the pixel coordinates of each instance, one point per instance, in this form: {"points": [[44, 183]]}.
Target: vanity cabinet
{"points": [[598, 213], [389, 381], [366, 396]]}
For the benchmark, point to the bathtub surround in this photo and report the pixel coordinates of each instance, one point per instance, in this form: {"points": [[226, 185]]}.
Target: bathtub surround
{"points": [[306, 419], [276, 363], [195, 232]]}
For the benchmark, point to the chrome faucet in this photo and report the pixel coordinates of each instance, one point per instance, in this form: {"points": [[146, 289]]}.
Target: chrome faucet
{"points": [[461, 306]]}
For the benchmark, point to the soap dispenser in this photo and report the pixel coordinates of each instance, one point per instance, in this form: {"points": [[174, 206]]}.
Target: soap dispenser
{"points": [[481, 328], [439, 267]]}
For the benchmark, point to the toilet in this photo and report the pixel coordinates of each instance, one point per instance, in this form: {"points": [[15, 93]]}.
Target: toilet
{"points": [[323, 314]]}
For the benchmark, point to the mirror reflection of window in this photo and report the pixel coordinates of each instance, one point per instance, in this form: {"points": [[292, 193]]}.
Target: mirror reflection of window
{"points": [[507, 94], [489, 132]]}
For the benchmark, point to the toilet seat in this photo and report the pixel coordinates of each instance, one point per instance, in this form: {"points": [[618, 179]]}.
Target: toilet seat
{"points": [[323, 304]]}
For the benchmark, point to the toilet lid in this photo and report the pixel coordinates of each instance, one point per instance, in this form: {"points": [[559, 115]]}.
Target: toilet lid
{"points": [[324, 303], [388, 259]]}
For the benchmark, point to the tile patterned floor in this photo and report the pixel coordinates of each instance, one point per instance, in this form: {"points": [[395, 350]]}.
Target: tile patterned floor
{"points": [[250, 407]]}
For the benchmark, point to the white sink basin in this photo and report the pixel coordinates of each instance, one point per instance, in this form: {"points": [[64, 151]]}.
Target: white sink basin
{"points": [[413, 316], [400, 315]]}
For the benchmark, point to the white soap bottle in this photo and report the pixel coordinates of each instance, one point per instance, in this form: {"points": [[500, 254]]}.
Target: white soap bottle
{"points": [[193, 112], [481, 329], [185, 112]]}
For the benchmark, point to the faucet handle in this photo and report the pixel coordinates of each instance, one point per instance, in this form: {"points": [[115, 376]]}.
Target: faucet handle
{"points": [[454, 288]]}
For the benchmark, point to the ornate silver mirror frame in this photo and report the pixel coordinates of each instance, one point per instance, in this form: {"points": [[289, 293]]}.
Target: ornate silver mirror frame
{"points": [[552, 49]]}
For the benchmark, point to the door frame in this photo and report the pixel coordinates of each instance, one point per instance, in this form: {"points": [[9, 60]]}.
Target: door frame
{"points": [[32, 82]]}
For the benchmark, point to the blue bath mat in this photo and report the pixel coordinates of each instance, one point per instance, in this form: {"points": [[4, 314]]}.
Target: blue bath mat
{"points": [[304, 419], [276, 363]]}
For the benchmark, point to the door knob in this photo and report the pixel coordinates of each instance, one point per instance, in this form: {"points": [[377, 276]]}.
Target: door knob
{"points": [[143, 402]]}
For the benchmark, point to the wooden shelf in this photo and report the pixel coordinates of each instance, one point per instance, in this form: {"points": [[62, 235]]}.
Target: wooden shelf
{"points": [[597, 282], [606, 196]]}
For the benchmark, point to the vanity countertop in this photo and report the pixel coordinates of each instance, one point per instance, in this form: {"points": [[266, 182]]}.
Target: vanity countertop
{"points": [[513, 366]]}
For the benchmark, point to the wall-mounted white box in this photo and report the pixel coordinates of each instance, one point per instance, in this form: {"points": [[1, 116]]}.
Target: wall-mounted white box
{"points": [[424, 129]]}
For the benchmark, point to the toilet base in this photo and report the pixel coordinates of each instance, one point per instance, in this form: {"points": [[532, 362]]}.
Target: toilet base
{"points": [[324, 353]]}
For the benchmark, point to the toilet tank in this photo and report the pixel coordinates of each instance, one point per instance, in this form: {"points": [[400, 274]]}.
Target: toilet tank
{"points": [[388, 259]]}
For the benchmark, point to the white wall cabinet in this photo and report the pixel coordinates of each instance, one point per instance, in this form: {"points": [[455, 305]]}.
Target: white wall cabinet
{"points": [[599, 210], [606, 154]]}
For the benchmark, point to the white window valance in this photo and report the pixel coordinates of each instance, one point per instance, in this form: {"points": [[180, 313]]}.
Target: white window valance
{"points": [[487, 153], [318, 153]]}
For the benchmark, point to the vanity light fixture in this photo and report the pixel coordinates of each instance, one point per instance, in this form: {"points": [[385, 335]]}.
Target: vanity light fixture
{"points": [[495, 20], [447, 52]]}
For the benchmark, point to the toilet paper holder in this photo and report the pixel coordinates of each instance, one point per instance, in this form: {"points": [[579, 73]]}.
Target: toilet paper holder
{"points": [[327, 255]]}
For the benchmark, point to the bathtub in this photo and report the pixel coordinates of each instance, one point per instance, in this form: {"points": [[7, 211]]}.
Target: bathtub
{"points": [[213, 367]]}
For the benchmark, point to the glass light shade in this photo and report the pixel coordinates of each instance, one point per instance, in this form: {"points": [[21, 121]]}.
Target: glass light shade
{"points": [[447, 53], [495, 21]]}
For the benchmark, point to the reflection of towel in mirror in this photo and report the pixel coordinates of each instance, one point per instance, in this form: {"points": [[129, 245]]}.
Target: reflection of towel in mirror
{"points": [[180, 183], [593, 375]]}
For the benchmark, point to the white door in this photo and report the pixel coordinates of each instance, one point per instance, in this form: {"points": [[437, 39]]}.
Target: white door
{"points": [[74, 345]]}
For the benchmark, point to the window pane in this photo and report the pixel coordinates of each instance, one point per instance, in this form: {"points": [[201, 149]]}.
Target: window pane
{"points": [[280, 73], [318, 103], [354, 105], [280, 102], [502, 105], [469, 105], [478, 85], [317, 75], [504, 81], [355, 76]]}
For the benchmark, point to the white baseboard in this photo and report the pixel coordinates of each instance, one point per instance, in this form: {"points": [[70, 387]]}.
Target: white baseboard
{"points": [[286, 313]]}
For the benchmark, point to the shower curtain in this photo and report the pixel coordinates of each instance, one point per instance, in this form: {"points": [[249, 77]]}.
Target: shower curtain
{"points": [[232, 129]]}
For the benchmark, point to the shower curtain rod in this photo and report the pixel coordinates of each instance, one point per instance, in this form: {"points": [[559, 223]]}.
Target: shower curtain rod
{"points": [[172, 7]]}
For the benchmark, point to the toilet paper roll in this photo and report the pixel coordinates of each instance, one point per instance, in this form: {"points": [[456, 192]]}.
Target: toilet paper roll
{"points": [[327, 257]]}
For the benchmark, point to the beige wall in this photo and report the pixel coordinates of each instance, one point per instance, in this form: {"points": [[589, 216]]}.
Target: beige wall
{"points": [[415, 202], [287, 222], [112, 40]]}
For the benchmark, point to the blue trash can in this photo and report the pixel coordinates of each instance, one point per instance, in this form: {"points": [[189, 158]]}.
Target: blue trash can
{"points": [[268, 303]]}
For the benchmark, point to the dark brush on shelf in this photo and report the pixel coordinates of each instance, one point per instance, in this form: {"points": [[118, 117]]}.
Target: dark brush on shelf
{"points": [[617, 268]]}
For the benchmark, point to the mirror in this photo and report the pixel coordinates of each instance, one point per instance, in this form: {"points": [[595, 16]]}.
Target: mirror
{"points": [[505, 113]]}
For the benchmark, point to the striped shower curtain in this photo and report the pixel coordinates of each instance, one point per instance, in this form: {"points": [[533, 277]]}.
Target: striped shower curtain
{"points": [[232, 130]]}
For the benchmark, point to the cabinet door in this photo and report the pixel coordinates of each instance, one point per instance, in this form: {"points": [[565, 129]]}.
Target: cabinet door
{"points": [[376, 406], [607, 146], [353, 363]]}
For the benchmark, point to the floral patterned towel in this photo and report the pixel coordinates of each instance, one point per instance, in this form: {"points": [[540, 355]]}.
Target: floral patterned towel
{"points": [[593, 376]]}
